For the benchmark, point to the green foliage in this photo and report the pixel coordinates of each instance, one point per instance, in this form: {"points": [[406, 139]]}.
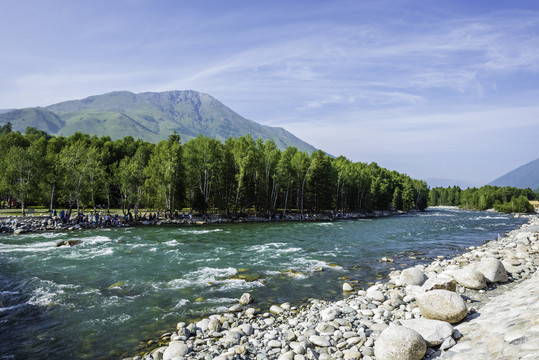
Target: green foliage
{"points": [[6, 128], [515, 205], [238, 175], [503, 199]]}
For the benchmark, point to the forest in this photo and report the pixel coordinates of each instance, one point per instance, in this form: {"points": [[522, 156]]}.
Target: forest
{"points": [[239, 175], [503, 199]]}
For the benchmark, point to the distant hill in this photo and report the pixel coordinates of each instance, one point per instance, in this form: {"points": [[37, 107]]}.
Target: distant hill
{"points": [[526, 176], [149, 116], [437, 182]]}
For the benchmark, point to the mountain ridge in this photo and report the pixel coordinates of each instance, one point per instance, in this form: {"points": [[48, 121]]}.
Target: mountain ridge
{"points": [[151, 116], [525, 176]]}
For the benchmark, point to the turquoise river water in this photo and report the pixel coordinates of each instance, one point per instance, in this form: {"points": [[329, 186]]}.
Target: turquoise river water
{"points": [[120, 286]]}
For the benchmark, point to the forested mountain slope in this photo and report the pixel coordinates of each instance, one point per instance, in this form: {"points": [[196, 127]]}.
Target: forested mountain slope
{"points": [[148, 116]]}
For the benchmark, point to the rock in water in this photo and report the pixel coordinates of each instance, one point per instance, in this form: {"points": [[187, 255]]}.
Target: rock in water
{"points": [[493, 270], [442, 305], [435, 332], [412, 276], [246, 299], [470, 278], [347, 287], [68, 243], [399, 343]]}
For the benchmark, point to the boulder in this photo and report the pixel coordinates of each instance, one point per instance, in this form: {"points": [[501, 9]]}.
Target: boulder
{"points": [[493, 270], [330, 313], [68, 243], [320, 341], [412, 276], [175, 349], [376, 295], [433, 331], [440, 283], [276, 310], [399, 343], [214, 325], [347, 287], [203, 325], [470, 278], [246, 299], [442, 305]]}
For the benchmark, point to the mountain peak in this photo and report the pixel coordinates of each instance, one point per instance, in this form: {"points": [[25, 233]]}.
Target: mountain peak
{"points": [[151, 116]]}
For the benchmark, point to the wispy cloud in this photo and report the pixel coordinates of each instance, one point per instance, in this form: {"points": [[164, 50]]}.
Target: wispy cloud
{"points": [[398, 76]]}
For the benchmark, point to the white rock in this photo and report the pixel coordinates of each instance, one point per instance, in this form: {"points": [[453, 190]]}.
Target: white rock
{"points": [[351, 354], [399, 343], [319, 341], [247, 329], [442, 305], [440, 283], [412, 276], [246, 299], [448, 343], [275, 309], [274, 344], [175, 349], [330, 313], [347, 287], [470, 278], [214, 325], [376, 295], [433, 331], [493, 270], [203, 324]]}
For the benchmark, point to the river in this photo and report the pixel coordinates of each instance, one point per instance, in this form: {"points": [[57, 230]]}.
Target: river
{"points": [[120, 286]]}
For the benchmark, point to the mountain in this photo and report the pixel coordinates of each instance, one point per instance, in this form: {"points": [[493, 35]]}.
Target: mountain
{"points": [[149, 116], [526, 176]]}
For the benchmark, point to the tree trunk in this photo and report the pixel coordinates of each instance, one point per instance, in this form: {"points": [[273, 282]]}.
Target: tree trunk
{"points": [[52, 198]]}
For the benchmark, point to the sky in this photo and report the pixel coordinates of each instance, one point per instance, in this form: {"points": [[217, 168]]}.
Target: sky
{"points": [[433, 89]]}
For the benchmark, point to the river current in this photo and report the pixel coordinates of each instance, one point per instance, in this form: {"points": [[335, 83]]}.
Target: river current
{"points": [[99, 299]]}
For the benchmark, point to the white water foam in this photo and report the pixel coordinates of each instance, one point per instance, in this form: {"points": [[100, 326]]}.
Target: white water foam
{"points": [[96, 240], [43, 297], [81, 254], [9, 292], [325, 224], [34, 247], [181, 304], [489, 217], [202, 277], [234, 284], [199, 232], [3, 309]]}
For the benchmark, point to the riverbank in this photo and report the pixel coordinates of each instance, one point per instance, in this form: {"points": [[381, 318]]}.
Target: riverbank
{"points": [[21, 225], [355, 327]]}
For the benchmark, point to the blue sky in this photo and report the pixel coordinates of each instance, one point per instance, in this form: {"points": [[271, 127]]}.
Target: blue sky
{"points": [[435, 89]]}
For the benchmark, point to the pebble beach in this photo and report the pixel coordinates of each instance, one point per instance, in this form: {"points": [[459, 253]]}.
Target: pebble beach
{"points": [[480, 304]]}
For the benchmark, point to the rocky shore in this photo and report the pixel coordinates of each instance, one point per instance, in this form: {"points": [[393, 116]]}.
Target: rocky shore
{"points": [[481, 304], [20, 225]]}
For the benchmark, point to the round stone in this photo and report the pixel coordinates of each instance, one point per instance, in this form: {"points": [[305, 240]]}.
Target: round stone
{"points": [[399, 343]]}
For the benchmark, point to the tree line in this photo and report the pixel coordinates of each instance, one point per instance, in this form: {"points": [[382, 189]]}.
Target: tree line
{"points": [[503, 199], [235, 176]]}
